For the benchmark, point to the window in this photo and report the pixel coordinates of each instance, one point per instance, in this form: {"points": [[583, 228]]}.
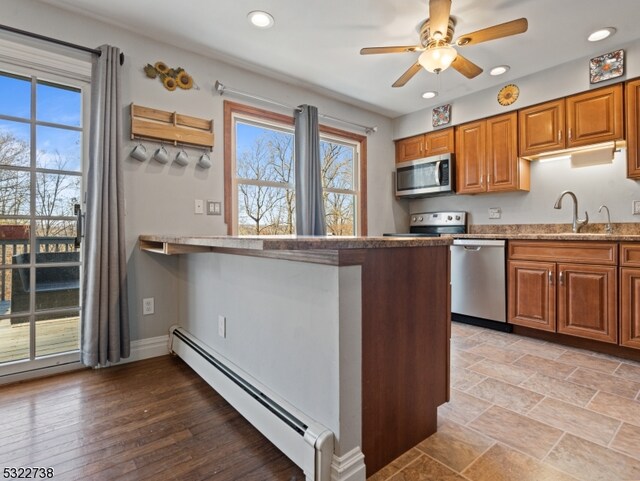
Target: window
{"points": [[260, 175]]}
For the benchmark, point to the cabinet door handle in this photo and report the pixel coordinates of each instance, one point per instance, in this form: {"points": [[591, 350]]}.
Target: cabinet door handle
{"points": [[569, 134], [488, 179], [559, 135], [550, 278], [481, 179], [561, 278]]}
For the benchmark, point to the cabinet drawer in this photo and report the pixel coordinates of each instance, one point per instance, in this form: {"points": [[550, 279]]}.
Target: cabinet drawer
{"points": [[603, 253], [630, 255]]}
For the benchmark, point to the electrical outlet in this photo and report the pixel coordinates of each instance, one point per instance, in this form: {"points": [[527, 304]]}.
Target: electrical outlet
{"points": [[214, 208], [495, 213], [148, 306], [222, 326], [198, 206], [636, 207]]}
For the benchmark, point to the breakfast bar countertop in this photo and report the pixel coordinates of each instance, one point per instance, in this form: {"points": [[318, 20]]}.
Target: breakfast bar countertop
{"points": [[277, 243]]}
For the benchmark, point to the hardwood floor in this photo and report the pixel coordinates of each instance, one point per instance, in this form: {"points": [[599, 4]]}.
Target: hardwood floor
{"points": [[148, 420]]}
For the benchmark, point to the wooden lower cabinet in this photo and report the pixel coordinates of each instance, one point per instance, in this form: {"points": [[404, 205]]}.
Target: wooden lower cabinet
{"points": [[567, 287], [532, 294], [630, 307], [587, 301]]}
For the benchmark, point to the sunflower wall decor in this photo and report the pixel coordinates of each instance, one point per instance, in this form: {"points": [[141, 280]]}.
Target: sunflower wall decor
{"points": [[171, 78], [508, 94]]}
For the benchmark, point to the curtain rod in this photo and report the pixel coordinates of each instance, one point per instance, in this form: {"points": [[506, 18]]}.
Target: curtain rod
{"points": [[221, 89], [93, 51]]}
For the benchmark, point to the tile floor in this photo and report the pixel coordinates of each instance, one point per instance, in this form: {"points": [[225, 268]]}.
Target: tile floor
{"points": [[529, 410]]}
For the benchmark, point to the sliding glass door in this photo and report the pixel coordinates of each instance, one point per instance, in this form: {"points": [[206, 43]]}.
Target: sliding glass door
{"points": [[41, 185]]}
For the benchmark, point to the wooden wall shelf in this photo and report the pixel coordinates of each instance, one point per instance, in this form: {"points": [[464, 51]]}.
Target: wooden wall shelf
{"points": [[163, 126]]}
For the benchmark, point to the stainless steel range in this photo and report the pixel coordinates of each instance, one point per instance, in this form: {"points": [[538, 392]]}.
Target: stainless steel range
{"points": [[434, 224]]}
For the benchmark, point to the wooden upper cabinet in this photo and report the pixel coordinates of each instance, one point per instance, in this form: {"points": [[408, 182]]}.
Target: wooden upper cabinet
{"points": [[583, 119], [542, 128], [411, 148], [487, 156], [595, 116], [470, 157], [425, 145], [439, 142], [633, 129], [505, 172]]}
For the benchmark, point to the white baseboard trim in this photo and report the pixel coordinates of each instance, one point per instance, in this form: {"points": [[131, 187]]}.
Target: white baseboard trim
{"points": [[148, 348], [349, 467]]}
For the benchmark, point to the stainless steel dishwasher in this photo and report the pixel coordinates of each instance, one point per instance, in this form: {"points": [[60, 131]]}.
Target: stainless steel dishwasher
{"points": [[478, 274]]}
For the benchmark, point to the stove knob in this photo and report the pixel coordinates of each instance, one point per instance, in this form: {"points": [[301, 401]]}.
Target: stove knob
{"points": [[419, 219], [449, 217], [457, 217], [413, 219]]}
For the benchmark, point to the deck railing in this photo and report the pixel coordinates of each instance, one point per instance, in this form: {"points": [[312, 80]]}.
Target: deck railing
{"points": [[12, 247]]}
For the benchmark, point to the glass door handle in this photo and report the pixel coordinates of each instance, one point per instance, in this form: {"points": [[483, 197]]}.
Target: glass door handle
{"points": [[77, 210]]}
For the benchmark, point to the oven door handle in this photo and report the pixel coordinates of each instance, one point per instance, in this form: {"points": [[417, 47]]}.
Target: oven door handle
{"points": [[438, 164]]}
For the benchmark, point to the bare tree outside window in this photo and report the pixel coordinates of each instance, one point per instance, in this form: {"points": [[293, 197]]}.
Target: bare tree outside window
{"points": [[265, 182]]}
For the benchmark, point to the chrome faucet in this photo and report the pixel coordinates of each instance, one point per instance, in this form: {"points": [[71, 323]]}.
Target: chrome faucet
{"points": [[607, 228], [577, 224]]}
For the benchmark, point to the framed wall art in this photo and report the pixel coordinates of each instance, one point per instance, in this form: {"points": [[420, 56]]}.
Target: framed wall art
{"points": [[607, 66], [441, 115]]}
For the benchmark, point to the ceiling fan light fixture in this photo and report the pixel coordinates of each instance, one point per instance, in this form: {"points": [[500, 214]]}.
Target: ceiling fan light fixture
{"points": [[499, 70], [430, 94], [260, 19], [439, 58], [601, 34]]}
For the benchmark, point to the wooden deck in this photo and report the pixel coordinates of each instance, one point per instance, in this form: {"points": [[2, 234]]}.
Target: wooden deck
{"points": [[53, 336]]}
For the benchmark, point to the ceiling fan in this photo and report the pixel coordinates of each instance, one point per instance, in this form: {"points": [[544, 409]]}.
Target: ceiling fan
{"points": [[438, 52]]}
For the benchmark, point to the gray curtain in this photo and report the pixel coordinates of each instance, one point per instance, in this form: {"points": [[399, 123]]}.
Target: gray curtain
{"points": [[310, 218], [105, 326]]}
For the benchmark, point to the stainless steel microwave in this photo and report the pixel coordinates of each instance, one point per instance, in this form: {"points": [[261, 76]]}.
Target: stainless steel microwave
{"points": [[426, 177]]}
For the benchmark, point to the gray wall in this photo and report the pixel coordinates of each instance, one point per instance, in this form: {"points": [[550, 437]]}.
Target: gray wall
{"points": [[159, 198], [594, 185]]}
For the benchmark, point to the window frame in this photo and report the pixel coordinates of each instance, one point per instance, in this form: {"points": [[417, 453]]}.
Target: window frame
{"points": [[233, 110]]}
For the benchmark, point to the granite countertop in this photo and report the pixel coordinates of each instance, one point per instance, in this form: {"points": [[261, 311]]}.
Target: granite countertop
{"points": [[292, 243], [558, 236], [627, 231]]}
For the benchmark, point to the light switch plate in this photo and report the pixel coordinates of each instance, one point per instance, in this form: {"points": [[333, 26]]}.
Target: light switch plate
{"points": [[636, 207], [214, 208]]}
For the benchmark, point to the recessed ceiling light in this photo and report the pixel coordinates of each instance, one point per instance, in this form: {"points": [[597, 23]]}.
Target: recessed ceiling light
{"points": [[601, 34], [429, 95], [499, 70], [260, 19]]}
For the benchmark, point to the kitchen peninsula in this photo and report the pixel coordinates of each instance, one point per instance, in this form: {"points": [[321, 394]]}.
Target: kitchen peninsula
{"points": [[352, 332]]}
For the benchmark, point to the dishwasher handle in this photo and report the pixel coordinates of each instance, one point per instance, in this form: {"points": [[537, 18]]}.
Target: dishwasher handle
{"points": [[472, 248], [479, 242]]}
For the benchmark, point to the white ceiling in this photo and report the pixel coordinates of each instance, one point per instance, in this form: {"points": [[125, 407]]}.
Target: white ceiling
{"points": [[318, 41]]}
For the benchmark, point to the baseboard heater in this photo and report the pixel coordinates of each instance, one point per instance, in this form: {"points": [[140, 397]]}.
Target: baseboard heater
{"points": [[304, 441]]}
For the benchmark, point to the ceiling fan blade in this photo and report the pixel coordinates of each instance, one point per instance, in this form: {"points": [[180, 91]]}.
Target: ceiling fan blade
{"points": [[466, 67], [506, 29], [408, 75], [439, 11], [374, 50]]}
